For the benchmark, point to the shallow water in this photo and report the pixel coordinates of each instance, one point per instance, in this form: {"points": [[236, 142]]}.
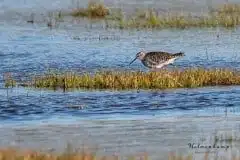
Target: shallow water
{"points": [[24, 53], [27, 49], [28, 105]]}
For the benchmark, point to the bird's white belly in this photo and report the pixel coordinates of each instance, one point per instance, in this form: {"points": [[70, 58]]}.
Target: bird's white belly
{"points": [[166, 63]]}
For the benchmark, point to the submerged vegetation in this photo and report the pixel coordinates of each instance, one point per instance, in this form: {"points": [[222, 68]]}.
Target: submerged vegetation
{"points": [[227, 15], [164, 79]]}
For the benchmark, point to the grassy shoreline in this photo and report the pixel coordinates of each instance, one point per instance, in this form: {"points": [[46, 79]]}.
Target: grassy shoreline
{"points": [[225, 15], [127, 80]]}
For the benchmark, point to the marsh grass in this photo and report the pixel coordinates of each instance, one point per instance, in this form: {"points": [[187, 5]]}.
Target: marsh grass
{"points": [[20, 154], [68, 154], [123, 80], [226, 15], [223, 17], [9, 80], [94, 10]]}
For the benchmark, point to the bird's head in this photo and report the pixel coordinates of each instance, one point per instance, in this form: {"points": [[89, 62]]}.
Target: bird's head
{"points": [[140, 55]]}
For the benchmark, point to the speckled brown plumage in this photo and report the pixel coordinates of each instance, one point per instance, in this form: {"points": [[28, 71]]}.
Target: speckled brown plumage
{"points": [[157, 59]]}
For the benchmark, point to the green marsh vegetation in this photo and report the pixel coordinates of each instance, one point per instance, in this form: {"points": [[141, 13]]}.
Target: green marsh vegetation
{"points": [[124, 80], [225, 15], [9, 80]]}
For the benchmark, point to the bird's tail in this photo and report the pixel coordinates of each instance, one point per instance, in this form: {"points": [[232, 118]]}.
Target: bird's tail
{"points": [[180, 54]]}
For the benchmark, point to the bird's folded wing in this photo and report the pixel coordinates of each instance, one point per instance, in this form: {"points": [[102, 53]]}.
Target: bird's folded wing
{"points": [[156, 60], [152, 61]]}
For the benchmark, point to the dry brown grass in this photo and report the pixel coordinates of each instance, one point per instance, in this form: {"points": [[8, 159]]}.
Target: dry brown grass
{"points": [[20, 154], [173, 156], [164, 79], [94, 10]]}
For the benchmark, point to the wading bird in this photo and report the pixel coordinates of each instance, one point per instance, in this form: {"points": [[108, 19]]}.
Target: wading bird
{"points": [[156, 60]]}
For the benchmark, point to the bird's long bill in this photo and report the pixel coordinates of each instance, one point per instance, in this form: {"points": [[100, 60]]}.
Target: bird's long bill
{"points": [[132, 61]]}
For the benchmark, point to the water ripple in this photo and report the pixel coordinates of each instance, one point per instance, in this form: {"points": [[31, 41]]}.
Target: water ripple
{"points": [[22, 104], [24, 53]]}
